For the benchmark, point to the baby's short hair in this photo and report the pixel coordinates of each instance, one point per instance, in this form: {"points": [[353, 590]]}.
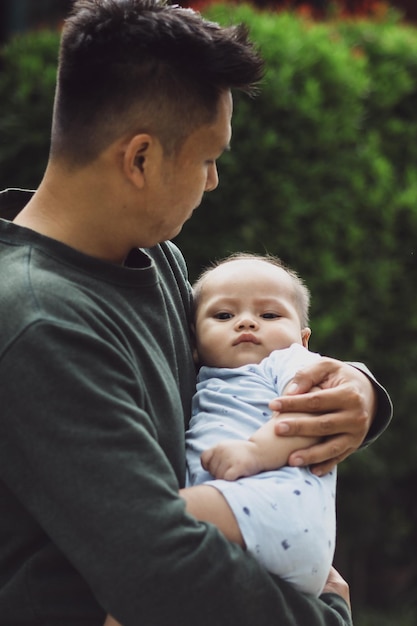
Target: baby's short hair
{"points": [[301, 291]]}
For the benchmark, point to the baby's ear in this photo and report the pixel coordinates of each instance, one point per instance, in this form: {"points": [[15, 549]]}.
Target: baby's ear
{"points": [[305, 336]]}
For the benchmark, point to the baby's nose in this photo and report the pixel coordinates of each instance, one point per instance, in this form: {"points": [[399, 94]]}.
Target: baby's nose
{"points": [[246, 322]]}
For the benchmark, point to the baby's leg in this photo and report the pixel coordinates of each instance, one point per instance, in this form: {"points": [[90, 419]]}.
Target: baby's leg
{"points": [[287, 520]]}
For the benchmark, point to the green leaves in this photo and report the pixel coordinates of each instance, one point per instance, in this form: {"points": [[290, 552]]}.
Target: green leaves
{"points": [[27, 84], [323, 172]]}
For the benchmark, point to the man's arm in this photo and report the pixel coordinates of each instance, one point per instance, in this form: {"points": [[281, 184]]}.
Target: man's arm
{"points": [[335, 593], [104, 492], [335, 590], [349, 405]]}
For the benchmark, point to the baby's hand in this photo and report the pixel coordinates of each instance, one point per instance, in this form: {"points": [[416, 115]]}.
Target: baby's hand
{"points": [[232, 459]]}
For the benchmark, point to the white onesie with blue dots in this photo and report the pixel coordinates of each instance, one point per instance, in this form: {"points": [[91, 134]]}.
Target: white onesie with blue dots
{"points": [[287, 517]]}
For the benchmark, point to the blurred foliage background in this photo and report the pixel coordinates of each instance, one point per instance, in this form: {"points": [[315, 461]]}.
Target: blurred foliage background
{"points": [[323, 173]]}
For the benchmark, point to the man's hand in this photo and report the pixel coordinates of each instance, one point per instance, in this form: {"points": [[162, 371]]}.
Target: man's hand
{"points": [[232, 459], [340, 412], [336, 584]]}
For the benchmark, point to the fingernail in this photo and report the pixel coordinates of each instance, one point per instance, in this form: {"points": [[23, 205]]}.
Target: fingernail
{"points": [[297, 461], [283, 428], [292, 388], [275, 405]]}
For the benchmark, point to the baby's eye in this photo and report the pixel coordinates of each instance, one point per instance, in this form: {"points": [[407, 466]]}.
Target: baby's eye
{"points": [[270, 316], [223, 315]]}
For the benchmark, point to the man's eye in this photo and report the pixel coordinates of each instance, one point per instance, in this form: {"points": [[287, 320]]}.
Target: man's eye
{"points": [[223, 315], [270, 316]]}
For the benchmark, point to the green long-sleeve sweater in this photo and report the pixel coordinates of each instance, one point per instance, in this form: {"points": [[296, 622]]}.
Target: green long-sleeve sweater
{"points": [[96, 378]]}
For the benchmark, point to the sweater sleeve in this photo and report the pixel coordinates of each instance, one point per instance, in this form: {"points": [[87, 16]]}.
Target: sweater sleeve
{"points": [[384, 406], [79, 450]]}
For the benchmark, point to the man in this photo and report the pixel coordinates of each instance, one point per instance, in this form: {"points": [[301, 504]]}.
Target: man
{"points": [[95, 360]]}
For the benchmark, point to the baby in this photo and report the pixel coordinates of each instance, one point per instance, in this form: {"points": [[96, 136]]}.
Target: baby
{"points": [[251, 337]]}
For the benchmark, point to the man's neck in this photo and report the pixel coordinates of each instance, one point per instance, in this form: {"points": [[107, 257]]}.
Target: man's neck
{"points": [[68, 210]]}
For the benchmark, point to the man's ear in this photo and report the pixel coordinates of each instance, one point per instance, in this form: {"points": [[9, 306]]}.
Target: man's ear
{"points": [[305, 336], [136, 155]]}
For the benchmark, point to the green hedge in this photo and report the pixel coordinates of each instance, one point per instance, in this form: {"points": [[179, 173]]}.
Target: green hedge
{"points": [[27, 84], [323, 172]]}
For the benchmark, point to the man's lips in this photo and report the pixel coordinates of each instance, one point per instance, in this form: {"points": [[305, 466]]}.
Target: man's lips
{"points": [[246, 338]]}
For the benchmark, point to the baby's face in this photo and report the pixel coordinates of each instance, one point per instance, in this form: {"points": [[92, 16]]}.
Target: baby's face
{"points": [[246, 311]]}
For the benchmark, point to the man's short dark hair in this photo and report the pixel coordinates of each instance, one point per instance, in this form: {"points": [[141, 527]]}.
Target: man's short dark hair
{"points": [[131, 66]]}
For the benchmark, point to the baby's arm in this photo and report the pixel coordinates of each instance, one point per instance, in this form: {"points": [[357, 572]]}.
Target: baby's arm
{"points": [[263, 451]]}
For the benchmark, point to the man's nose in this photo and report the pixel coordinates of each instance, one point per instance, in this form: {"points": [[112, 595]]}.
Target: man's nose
{"points": [[212, 177]]}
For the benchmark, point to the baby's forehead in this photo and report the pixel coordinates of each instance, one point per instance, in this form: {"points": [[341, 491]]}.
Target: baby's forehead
{"points": [[245, 271], [246, 277]]}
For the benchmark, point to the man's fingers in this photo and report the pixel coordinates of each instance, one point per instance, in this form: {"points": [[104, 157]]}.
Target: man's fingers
{"points": [[314, 375], [336, 584], [339, 413], [323, 425], [312, 426], [321, 400], [324, 456], [321, 469]]}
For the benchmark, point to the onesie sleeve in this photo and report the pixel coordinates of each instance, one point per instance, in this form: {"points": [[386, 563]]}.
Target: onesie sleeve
{"points": [[282, 365]]}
